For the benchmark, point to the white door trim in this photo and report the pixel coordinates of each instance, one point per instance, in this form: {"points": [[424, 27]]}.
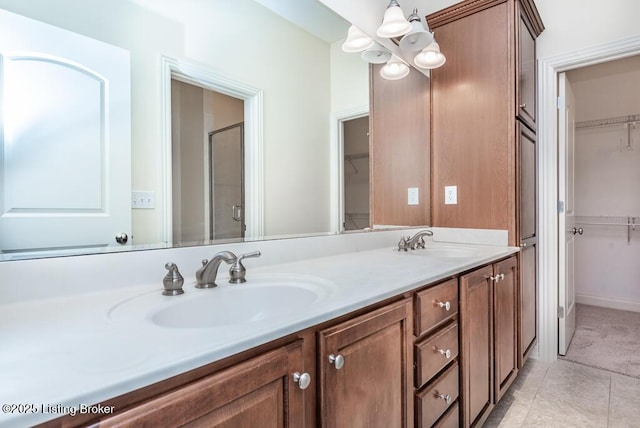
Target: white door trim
{"points": [[548, 69], [254, 149], [336, 169]]}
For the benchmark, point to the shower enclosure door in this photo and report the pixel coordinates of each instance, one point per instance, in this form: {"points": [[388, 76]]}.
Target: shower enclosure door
{"points": [[226, 182]]}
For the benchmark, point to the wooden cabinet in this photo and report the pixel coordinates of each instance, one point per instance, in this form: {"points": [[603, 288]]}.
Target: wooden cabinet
{"points": [[526, 35], [258, 392], [488, 301], [505, 302], [436, 354], [365, 368], [476, 342], [528, 288], [483, 121]]}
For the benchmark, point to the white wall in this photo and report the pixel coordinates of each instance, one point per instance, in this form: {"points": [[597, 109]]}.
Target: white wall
{"points": [[349, 80], [607, 175], [227, 37]]}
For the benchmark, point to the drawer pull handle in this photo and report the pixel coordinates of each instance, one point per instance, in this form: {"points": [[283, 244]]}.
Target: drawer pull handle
{"points": [[444, 397], [337, 361], [444, 352], [303, 380], [444, 305]]}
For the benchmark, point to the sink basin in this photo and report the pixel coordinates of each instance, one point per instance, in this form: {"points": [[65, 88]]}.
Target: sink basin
{"points": [[259, 299]]}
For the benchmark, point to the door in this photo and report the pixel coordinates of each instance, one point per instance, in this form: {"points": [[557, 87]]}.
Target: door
{"points": [[365, 369], [65, 138], [504, 322], [226, 148], [262, 391], [528, 287], [566, 216], [476, 327]]}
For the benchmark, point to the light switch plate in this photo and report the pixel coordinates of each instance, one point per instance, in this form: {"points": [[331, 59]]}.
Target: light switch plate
{"points": [[144, 200], [450, 195], [412, 196]]}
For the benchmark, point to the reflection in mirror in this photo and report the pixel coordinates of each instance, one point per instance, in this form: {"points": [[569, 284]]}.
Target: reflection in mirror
{"points": [[305, 82]]}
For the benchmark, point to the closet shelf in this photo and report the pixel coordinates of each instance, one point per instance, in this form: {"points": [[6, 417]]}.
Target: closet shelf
{"points": [[628, 221], [611, 121]]}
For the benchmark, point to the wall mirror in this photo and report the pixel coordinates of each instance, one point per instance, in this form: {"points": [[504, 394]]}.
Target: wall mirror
{"points": [[306, 86]]}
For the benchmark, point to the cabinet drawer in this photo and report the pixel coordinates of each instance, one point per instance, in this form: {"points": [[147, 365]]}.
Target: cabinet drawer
{"points": [[431, 306], [451, 419], [430, 404], [435, 352]]}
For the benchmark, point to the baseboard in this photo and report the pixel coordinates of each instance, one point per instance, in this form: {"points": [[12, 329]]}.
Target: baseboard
{"points": [[605, 302]]}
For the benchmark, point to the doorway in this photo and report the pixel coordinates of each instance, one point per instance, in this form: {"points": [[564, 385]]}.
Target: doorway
{"points": [[606, 206], [207, 164], [549, 203], [356, 173]]}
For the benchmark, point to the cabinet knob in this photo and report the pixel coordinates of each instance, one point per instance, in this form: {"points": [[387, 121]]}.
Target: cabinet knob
{"points": [[523, 105], [444, 305], [445, 352], [337, 361], [303, 380], [523, 245], [444, 397]]}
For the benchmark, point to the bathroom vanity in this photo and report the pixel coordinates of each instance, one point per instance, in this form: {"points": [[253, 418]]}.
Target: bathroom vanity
{"points": [[357, 332]]}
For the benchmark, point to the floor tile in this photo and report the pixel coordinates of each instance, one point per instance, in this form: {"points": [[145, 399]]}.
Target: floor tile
{"points": [[624, 405]]}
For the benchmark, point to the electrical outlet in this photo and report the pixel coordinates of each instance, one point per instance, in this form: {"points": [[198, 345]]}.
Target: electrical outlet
{"points": [[412, 196], [143, 200], [450, 195]]}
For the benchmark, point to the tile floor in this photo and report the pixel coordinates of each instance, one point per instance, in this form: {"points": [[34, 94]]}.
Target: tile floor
{"points": [[566, 394]]}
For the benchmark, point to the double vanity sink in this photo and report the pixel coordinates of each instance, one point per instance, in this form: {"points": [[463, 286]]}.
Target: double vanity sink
{"points": [[86, 348]]}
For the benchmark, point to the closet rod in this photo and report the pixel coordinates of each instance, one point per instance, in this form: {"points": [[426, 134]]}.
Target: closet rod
{"points": [[620, 120]]}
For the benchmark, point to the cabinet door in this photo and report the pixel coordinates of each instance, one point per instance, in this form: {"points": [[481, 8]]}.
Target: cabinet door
{"points": [[526, 83], [476, 308], [505, 323], [260, 392], [528, 301], [365, 370]]}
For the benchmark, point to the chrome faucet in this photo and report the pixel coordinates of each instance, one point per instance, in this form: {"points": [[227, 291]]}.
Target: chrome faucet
{"points": [[414, 242], [206, 275]]}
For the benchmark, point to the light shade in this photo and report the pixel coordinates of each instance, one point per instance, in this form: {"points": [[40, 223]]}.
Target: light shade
{"points": [[394, 69], [394, 24], [430, 57], [419, 37], [357, 41], [376, 54]]}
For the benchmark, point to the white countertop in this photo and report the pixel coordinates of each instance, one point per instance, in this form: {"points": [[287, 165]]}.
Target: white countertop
{"points": [[73, 350]]}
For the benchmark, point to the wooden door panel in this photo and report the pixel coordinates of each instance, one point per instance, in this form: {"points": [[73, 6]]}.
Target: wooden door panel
{"points": [[477, 343], [526, 84], [528, 301], [258, 392], [505, 326], [372, 388]]}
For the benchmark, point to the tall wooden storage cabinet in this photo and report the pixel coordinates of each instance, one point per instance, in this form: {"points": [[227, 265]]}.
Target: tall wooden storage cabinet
{"points": [[483, 124]]}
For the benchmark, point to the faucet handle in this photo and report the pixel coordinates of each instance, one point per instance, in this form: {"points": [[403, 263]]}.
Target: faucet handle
{"points": [[403, 244], [172, 281], [237, 272]]}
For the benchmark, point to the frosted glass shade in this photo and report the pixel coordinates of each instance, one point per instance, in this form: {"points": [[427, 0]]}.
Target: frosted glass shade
{"points": [[394, 24], [430, 57], [394, 69], [416, 39], [357, 41], [376, 54]]}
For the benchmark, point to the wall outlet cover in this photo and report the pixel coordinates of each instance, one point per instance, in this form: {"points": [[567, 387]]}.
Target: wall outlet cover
{"points": [[412, 196], [450, 195]]}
